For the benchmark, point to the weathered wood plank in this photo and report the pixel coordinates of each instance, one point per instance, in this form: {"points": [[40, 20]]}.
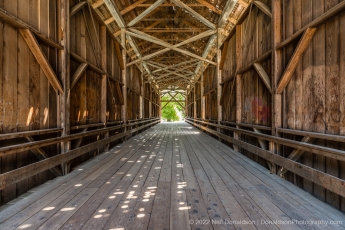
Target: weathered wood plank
{"points": [[78, 73], [316, 176], [262, 6], [263, 75], [77, 7], [41, 59], [296, 57]]}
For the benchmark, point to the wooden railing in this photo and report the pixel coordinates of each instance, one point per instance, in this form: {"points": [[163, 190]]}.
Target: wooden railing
{"points": [[25, 172], [329, 182]]}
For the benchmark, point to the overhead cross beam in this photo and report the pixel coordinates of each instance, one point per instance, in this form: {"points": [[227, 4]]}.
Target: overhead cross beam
{"points": [[195, 14], [224, 17], [192, 39], [131, 7], [115, 13], [173, 66], [146, 12], [141, 35]]}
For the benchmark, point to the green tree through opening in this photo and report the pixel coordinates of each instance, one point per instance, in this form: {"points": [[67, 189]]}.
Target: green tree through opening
{"points": [[172, 111]]}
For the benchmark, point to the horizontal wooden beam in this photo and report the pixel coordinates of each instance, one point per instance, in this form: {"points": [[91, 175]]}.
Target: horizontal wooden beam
{"points": [[296, 57], [8, 136], [322, 136], [247, 125], [296, 154], [41, 155], [176, 101], [90, 65], [171, 30], [149, 38], [336, 10], [97, 4], [41, 59], [319, 150], [38, 144], [131, 7], [17, 23], [25, 172], [171, 4], [329, 182], [262, 58], [109, 20]]}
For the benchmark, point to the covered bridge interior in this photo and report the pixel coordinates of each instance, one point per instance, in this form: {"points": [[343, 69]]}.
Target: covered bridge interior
{"points": [[83, 85]]}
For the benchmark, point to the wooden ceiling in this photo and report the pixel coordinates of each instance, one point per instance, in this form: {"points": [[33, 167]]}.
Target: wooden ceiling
{"points": [[171, 41]]}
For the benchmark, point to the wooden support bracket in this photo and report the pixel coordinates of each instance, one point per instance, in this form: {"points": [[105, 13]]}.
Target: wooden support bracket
{"points": [[263, 7], [263, 75], [41, 155], [41, 59], [296, 57], [296, 154], [119, 92], [77, 7], [81, 69], [131, 7], [119, 55]]}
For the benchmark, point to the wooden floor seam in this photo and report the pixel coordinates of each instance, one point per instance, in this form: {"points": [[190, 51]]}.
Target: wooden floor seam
{"points": [[171, 176]]}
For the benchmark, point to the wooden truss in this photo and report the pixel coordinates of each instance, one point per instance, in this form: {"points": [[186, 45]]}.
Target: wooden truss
{"points": [[171, 41]]}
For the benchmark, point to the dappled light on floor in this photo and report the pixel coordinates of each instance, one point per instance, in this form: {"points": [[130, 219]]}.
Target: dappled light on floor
{"points": [[181, 179]]}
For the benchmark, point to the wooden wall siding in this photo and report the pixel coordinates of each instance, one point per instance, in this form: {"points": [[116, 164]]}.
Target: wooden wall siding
{"points": [[113, 103], [190, 104], [230, 63], [198, 97], [228, 100], [133, 92], [210, 93], [147, 94], [27, 100], [155, 107], [314, 98]]}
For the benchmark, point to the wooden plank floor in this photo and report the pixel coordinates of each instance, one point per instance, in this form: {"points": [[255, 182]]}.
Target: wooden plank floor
{"points": [[172, 176]]}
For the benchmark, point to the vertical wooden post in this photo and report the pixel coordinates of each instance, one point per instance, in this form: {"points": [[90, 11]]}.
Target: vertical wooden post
{"points": [[238, 82], [219, 78], [277, 71], [194, 102], [186, 103], [202, 98], [64, 68], [160, 104], [103, 41], [141, 102], [150, 103], [124, 79]]}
